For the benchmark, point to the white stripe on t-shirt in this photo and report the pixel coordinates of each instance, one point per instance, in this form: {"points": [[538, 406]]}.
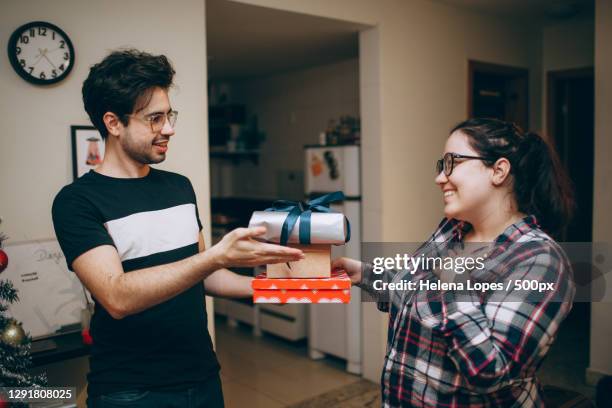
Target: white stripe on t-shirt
{"points": [[150, 232]]}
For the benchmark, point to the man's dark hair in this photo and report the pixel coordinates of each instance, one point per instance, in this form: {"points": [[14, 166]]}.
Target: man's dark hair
{"points": [[123, 83]]}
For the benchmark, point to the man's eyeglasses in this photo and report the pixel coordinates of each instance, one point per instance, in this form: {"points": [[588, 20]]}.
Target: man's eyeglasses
{"points": [[448, 162], [157, 120]]}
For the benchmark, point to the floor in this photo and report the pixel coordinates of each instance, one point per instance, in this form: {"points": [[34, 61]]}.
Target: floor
{"points": [[568, 358], [270, 372]]}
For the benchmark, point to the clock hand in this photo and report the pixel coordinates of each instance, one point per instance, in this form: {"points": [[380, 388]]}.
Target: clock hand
{"points": [[47, 58], [40, 55]]}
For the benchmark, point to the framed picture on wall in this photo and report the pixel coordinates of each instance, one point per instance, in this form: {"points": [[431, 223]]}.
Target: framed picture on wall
{"points": [[87, 149]]}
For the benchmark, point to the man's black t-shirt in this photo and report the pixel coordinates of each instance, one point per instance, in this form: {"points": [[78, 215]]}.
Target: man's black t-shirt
{"points": [[150, 221]]}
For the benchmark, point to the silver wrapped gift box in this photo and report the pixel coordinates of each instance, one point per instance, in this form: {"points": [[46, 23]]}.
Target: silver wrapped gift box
{"points": [[325, 228]]}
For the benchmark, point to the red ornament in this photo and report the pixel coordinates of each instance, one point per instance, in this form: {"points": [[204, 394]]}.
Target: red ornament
{"points": [[3, 402], [87, 339], [3, 260]]}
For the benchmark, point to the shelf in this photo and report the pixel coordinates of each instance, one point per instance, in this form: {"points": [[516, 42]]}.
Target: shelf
{"points": [[235, 156], [67, 346]]}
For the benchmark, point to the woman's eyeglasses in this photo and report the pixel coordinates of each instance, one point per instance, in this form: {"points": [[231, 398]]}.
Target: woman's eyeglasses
{"points": [[448, 162]]}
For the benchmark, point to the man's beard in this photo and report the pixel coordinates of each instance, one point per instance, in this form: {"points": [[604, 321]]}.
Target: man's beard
{"points": [[141, 153]]}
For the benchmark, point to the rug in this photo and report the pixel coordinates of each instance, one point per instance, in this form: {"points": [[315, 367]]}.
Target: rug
{"points": [[362, 393], [366, 394]]}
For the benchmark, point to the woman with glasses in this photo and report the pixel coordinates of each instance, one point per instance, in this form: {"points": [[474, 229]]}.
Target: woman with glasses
{"points": [[503, 192]]}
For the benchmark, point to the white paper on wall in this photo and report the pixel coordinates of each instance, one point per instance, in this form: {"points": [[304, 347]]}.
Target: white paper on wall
{"points": [[50, 296]]}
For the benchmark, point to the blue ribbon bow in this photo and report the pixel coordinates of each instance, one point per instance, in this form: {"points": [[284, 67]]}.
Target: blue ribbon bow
{"points": [[303, 211]]}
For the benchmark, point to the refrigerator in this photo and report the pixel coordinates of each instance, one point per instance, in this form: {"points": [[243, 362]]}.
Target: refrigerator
{"points": [[335, 329]]}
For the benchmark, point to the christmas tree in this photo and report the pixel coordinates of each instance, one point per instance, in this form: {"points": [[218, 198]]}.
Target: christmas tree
{"points": [[15, 344]]}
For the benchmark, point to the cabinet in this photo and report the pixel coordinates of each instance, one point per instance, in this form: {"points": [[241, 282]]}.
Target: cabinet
{"points": [[224, 122], [288, 321]]}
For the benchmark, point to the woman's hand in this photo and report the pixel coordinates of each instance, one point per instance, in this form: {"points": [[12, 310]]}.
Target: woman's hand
{"points": [[351, 266]]}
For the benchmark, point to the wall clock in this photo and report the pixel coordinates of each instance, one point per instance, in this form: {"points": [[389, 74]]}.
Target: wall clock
{"points": [[41, 53]]}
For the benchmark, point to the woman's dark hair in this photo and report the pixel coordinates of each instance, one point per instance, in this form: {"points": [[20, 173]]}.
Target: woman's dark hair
{"points": [[540, 184], [123, 83]]}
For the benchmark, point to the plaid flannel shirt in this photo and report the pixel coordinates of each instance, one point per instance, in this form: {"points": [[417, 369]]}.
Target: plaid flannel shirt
{"points": [[483, 352]]}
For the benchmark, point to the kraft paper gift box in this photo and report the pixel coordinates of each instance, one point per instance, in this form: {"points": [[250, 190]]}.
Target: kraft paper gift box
{"points": [[335, 289], [311, 227], [316, 264]]}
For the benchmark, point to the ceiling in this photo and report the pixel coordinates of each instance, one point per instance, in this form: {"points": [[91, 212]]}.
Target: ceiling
{"points": [[537, 11], [248, 41]]}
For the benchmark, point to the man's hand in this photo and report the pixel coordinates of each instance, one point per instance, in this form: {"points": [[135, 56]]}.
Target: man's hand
{"points": [[239, 249], [351, 266], [123, 294]]}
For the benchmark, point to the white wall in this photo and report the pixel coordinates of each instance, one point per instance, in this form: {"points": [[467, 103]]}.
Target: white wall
{"points": [[292, 109], [374, 324], [568, 45], [35, 156], [601, 321]]}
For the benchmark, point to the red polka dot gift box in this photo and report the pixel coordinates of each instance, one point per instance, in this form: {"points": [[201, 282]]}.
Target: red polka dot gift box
{"points": [[335, 289]]}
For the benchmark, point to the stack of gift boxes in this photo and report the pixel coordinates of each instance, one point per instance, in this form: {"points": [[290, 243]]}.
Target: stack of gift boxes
{"points": [[313, 228]]}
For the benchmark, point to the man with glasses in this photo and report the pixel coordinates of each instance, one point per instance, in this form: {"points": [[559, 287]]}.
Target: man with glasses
{"points": [[131, 233]]}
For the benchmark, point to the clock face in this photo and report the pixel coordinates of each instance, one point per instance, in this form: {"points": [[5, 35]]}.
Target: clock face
{"points": [[41, 53]]}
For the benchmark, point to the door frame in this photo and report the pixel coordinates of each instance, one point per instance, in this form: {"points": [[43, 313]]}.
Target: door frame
{"points": [[487, 67], [551, 93]]}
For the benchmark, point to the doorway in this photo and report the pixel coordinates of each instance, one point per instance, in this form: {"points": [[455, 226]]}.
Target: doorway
{"points": [[570, 124], [570, 127], [498, 91], [275, 80]]}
